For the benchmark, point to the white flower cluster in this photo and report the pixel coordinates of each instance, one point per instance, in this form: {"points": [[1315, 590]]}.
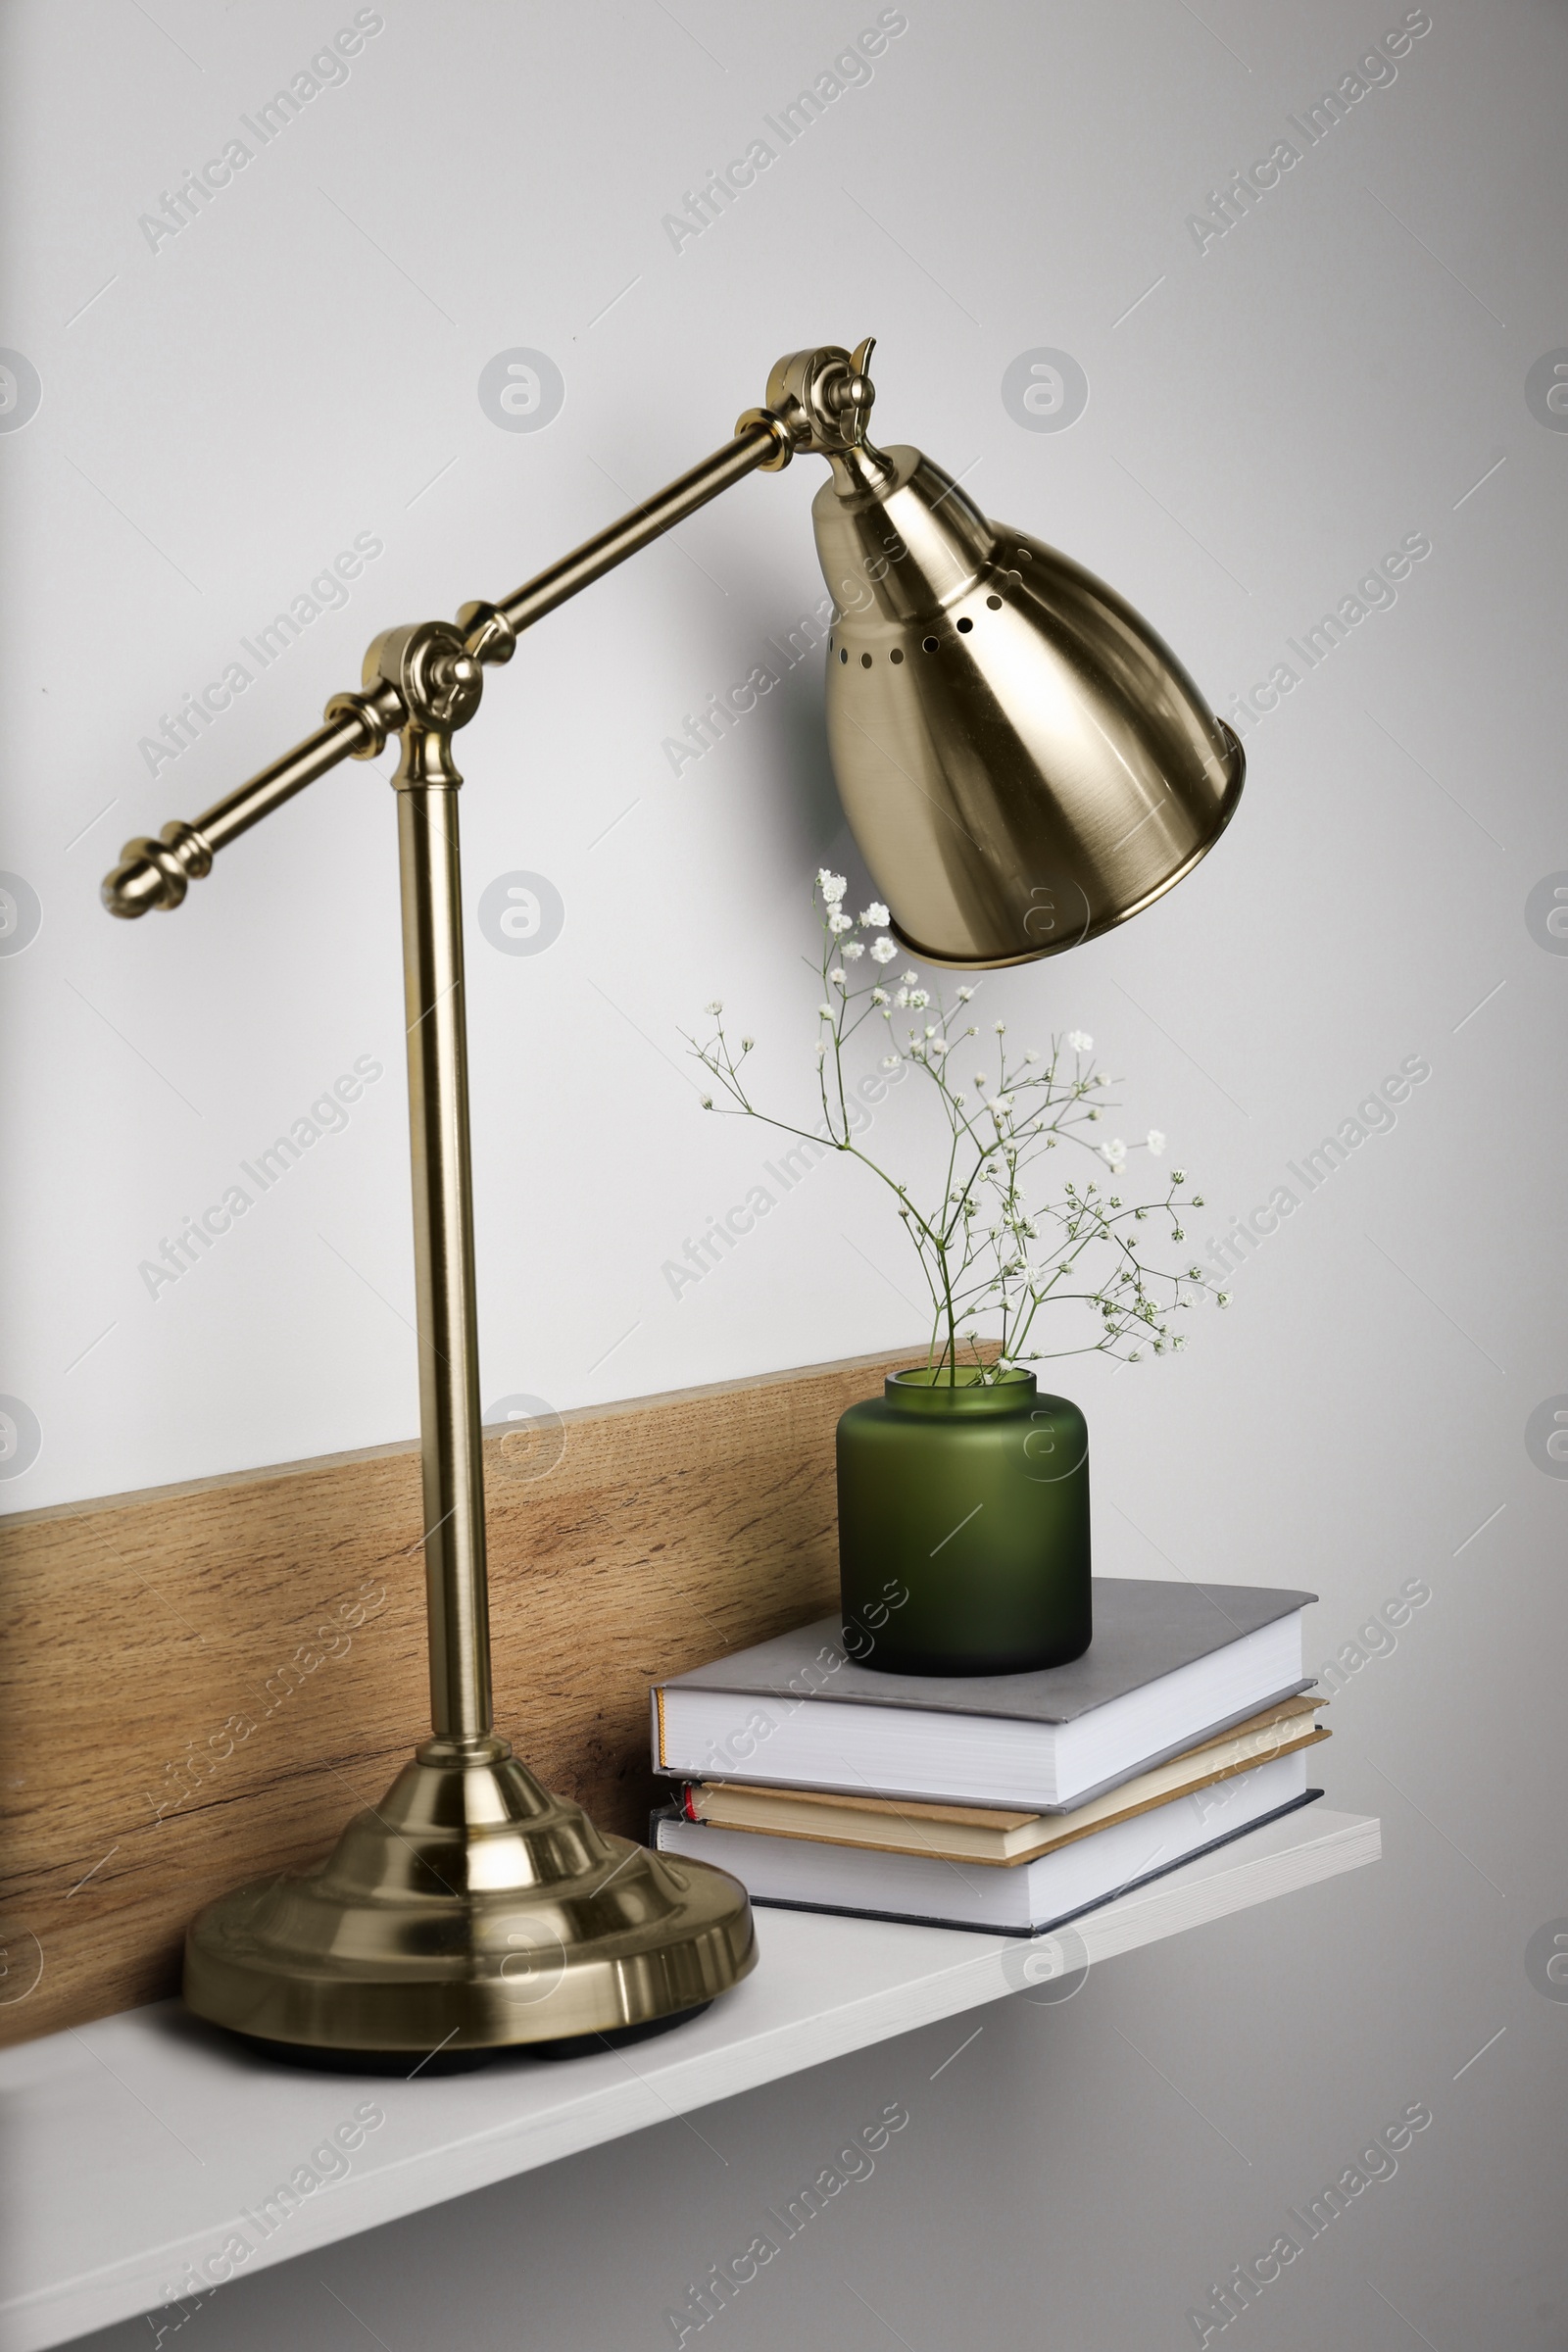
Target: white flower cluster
{"points": [[832, 888], [994, 1247]]}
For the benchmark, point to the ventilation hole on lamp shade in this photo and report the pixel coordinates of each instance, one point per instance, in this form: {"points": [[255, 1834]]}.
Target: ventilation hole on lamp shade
{"points": [[844, 653], [930, 644], [1021, 555], [994, 604], [865, 661], [897, 654], [966, 625]]}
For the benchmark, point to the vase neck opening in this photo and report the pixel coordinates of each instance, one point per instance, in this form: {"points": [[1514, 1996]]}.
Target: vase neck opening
{"points": [[971, 1391]]}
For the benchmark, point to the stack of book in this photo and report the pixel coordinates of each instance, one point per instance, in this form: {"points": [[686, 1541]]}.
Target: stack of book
{"points": [[1011, 1803]]}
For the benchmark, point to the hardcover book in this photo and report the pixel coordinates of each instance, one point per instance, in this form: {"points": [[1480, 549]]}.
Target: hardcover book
{"points": [[992, 1836], [1170, 1664], [1021, 1898]]}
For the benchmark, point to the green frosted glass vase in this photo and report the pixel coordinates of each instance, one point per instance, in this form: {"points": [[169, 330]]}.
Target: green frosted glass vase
{"points": [[963, 1526]]}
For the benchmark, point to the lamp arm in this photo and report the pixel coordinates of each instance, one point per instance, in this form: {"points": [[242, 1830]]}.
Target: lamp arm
{"points": [[157, 872]]}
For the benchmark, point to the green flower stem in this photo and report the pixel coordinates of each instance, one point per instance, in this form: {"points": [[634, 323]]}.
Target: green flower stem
{"points": [[983, 1251]]}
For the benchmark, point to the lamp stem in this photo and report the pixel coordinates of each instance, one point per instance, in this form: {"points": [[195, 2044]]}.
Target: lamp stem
{"points": [[451, 1455]]}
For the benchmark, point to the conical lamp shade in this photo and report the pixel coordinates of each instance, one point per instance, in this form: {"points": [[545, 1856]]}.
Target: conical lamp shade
{"points": [[1022, 761]]}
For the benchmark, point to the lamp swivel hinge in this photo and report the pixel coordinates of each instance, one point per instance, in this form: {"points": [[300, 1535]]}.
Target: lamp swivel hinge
{"points": [[824, 398], [427, 671]]}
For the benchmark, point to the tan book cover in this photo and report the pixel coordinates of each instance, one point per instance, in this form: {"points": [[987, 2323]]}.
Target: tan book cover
{"points": [[992, 1835]]}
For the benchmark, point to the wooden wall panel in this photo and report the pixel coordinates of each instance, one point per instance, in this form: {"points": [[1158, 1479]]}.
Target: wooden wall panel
{"points": [[144, 1634]]}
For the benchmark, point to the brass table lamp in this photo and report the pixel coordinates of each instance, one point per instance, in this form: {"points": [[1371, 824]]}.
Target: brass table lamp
{"points": [[1023, 764]]}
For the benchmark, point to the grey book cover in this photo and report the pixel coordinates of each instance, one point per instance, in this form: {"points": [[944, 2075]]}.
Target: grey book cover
{"points": [[1143, 1629]]}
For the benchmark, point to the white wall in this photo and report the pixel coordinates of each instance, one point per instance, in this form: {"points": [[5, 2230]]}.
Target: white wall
{"points": [[1346, 366]]}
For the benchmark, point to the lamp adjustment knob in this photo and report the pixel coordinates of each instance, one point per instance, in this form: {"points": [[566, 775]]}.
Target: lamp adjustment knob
{"points": [[823, 397], [437, 679]]}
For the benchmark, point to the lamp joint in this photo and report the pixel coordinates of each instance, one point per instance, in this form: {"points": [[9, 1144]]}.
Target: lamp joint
{"points": [[823, 397], [437, 682]]}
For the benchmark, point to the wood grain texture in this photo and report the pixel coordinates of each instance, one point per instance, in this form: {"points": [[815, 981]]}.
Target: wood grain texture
{"points": [[143, 1632]]}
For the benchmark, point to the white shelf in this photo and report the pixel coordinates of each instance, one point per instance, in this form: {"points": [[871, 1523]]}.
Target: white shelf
{"points": [[136, 2146]]}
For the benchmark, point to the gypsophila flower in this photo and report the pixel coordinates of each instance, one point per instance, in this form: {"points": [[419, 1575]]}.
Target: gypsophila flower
{"points": [[1222, 1298], [714, 1005], [984, 1242]]}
